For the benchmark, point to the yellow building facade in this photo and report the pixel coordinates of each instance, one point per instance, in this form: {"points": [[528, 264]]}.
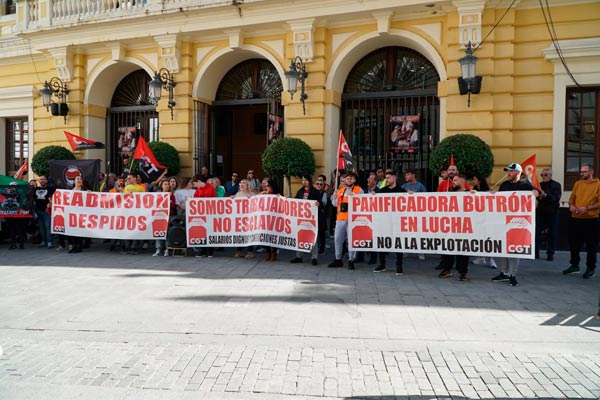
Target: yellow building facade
{"points": [[367, 61]]}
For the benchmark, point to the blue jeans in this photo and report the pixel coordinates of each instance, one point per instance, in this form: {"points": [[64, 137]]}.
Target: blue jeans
{"points": [[44, 226]]}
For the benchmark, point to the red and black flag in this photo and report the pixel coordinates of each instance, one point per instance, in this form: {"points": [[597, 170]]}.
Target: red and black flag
{"points": [[150, 169], [344, 155], [81, 143]]}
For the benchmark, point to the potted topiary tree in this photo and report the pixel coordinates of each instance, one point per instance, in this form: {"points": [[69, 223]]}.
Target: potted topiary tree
{"points": [[287, 157], [472, 155], [166, 155], [39, 162]]}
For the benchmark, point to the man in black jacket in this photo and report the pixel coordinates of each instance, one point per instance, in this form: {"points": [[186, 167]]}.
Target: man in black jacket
{"points": [[546, 214], [390, 187], [308, 192]]}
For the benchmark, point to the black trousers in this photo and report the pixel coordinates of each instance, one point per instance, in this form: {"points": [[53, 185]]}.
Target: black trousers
{"points": [[16, 228], [462, 263], [583, 230], [399, 259]]}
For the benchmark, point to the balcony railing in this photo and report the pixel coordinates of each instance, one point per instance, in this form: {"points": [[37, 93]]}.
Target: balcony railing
{"points": [[37, 14]]}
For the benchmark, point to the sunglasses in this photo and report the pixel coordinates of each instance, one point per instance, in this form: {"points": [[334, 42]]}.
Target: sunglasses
{"points": [[318, 184], [545, 175]]}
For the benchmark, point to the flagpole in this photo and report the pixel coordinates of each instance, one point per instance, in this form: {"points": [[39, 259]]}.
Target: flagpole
{"points": [[337, 164], [500, 181]]}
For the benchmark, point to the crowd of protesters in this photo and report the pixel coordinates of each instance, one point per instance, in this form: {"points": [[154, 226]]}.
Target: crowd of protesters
{"points": [[332, 199]]}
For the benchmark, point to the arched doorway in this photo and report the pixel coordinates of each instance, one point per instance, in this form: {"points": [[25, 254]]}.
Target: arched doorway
{"points": [[390, 112], [232, 134], [132, 114]]}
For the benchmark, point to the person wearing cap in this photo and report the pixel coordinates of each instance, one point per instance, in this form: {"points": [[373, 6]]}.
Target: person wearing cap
{"points": [[584, 204], [308, 192], [514, 183], [340, 200]]}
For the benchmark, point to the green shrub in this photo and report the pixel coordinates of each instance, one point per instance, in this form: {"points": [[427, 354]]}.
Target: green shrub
{"points": [[288, 157], [166, 155], [39, 162], [472, 155]]}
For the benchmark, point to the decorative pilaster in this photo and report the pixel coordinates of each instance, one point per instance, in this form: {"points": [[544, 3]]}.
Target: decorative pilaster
{"points": [[169, 51], [469, 21], [303, 38], [63, 62]]}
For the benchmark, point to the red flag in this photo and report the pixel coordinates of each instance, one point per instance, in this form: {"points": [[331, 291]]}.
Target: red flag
{"points": [[81, 143], [22, 170], [530, 171], [344, 154], [149, 167]]}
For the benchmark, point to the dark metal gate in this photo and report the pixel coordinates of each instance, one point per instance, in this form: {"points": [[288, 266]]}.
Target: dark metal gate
{"points": [[125, 125], [368, 121]]}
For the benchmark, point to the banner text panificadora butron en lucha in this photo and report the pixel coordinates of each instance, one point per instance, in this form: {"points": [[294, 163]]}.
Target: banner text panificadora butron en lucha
{"points": [[267, 220], [483, 224]]}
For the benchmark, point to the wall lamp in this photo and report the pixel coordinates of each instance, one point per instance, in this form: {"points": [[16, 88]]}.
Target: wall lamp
{"points": [[56, 87], [163, 79], [297, 73], [469, 82]]}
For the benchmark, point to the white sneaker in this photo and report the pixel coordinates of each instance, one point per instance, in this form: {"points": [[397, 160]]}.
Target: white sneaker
{"points": [[493, 264], [166, 253], [156, 253], [479, 260], [421, 256]]}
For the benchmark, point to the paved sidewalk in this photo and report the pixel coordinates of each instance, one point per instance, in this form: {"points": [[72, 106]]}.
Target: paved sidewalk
{"points": [[110, 326]]}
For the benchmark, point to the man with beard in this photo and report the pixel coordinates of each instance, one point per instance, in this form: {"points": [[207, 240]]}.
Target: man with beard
{"points": [[340, 200], [462, 262], [584, 203], [447, 185], [43, 198], [391, 187], [514, 183]]}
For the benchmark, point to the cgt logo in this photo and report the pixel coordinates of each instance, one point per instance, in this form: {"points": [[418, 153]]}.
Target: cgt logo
{"points": [[58, 220], [196, 231], [362, 234], [306, 234], [518, 236]]}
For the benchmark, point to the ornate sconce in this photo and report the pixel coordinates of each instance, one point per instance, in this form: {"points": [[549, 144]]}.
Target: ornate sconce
{"points": [[297, 73], [469, 82], [163, 79], [57, 88]]}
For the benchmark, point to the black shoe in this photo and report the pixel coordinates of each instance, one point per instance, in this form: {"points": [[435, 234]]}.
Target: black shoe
{"points": [[399, 271], [589, 273], [445, 274], [573, 269], [314, 261], [513, 281], [350, 265], [12, 247], [501, 277], [296, 260], [463, 277], [379, 268], [335, 264], [550, 257]]}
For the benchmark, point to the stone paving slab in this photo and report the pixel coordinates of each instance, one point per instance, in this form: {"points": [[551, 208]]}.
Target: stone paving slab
{"points": [[103, 325]]}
